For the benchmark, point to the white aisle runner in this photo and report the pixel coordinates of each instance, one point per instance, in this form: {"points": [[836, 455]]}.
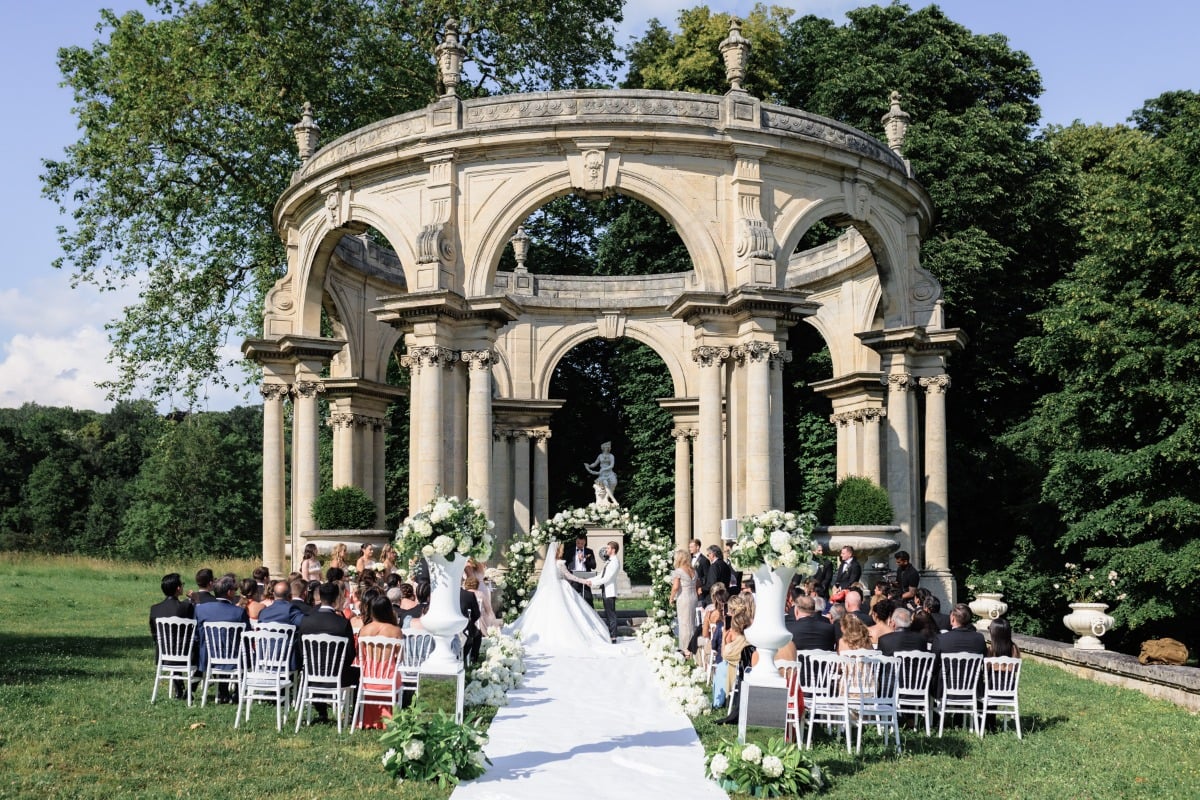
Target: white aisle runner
{"points": [[594, 728]]}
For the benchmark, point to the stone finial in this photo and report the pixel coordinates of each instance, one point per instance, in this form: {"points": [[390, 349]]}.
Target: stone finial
{"points": [[450, 56], [520, 243], [895, 124], [735, 49], [307, 133]]}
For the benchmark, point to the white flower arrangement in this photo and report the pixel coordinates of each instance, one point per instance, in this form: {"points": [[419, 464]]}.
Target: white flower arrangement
{"points": [[499, 669], [446, 526], [776, 538], [778, 768], [681, 680]]}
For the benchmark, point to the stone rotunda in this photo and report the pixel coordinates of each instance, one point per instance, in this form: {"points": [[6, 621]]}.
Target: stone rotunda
{"points": [[740, 180]]}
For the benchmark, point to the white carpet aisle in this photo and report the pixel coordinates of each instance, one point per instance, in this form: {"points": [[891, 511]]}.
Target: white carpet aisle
{"points": [[592, 728]]}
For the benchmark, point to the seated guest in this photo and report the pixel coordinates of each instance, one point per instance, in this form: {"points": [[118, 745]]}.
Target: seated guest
{"points": [[923, 624], [961, 638], [853, 601], [251, 598], [224, 609], [734, 644], [383, 623], [810, 631], [1002, 644], [902, 638], [262, 577], [203, 593], [299, 588], [326, 619], [408, 609], [854, 635], [172, 605], [282, 609], [880, 613]]}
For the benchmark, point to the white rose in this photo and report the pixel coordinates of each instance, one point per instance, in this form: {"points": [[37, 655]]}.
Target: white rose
{"points": [[752, 753], [759, 535], [772, 767]]}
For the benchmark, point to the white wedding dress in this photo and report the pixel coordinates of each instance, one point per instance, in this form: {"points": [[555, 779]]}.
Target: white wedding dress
{"points": [[558, 621]]}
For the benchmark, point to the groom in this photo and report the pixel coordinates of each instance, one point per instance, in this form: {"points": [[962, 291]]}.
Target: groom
{"points": [[608, 579]]}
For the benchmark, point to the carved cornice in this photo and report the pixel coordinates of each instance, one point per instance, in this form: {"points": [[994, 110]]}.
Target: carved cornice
{"points": [[937, 384]]}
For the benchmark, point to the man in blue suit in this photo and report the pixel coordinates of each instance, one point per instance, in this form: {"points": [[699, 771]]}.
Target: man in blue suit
{"points": [[224, 609], [283, 609]]}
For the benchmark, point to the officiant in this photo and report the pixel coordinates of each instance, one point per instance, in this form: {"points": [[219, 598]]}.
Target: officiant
{"points": [[580, 558]]}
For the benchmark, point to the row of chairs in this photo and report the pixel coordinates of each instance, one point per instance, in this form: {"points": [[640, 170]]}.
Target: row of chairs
{"points": [[259, 664], [864, 688]]}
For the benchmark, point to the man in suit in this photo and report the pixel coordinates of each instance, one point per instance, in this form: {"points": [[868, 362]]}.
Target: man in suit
{"points": [[223, 609], [326, 619], [282, 610], [203, 593], [608, 580], [933, 605], [853, 601], [849, 570], [298, 587], [580, 558], [700, 567], [468, 603], [901, 638], [810, 631], [172, 605], [718, 570], [961, 638]]}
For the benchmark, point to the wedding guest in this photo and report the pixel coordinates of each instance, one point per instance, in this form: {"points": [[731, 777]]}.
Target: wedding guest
{"points": [[299, 591], [848, 571], [383, 623], [853, 601], [172, 605], [333, 575], [408, 609], [310, 566], [712, 629], [881, 612], [387, 557], [469, 606], [203, 593], [700, 567], [483, 595], [223, 609], [810, 631], [683, 595], [741, 616], [281, 610], [261, 576], [718, 570], [824, 575], [925, 625], [902, 637], [367, 559], [251, 598], [1000, 631], [854, 635], [325, 619]]}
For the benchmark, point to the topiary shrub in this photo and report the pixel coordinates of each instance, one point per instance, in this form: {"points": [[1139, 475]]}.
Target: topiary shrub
{"points": [[856, 501], [344, 508]]}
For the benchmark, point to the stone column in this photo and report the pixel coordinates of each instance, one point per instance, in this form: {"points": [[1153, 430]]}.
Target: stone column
{"points": [[758, 427], [379, 473], [413, 365], [501, 501], [778, 498], [683, 487], [273, 486], [364, 443], [872, 418], [734, 455], [479, 426], [306, 471], [899, 451], [429, 421], [709, 448], [937, 538], [521, 505], [842, 421], [541, 476], [456, 466], [344, 448]]}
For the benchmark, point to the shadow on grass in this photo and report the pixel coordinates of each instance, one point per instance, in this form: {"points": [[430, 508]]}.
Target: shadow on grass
{"points": [[37, 658]]}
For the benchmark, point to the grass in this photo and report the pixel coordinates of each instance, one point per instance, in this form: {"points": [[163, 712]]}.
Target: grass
{"points": [[76, 667]]}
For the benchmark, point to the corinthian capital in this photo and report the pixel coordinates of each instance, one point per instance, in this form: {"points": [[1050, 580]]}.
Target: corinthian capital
{"points": [[478, 359], [308, 388], [937, 384], [897, 381], [431, 356], [274, 392], [708, 356]]}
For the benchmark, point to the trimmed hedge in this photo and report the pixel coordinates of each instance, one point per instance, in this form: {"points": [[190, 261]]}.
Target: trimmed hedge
{"points": [[344, 508], [856, 501]]}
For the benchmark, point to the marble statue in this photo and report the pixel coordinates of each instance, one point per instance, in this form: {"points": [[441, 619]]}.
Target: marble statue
{"points": [[606, 479]]}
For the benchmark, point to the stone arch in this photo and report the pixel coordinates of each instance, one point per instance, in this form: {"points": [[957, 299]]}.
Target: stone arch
{"points": [[568, 337], [702, 248]]}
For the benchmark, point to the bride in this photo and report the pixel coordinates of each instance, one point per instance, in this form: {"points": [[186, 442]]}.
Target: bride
{"points": [[557, 620]]}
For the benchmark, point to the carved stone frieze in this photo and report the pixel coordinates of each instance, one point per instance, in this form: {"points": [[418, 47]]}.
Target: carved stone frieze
{"points": [[520, 109], [811, 127], [652, 106]]}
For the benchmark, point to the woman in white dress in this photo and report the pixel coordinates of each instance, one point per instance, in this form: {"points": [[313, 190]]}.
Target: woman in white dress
{"points": [[557, 620]]}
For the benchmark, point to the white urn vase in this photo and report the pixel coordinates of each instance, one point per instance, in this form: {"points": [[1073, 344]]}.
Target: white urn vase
{"points": [[987, 606], [444, 619], [768, 632], [1088, 622]]}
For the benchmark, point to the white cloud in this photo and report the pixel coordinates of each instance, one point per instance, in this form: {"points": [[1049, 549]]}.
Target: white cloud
{"points": [[55, 370]]}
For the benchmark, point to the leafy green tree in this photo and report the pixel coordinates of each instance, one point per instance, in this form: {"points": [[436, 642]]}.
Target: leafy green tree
{"points": [[1119, 440], [185, 141]]}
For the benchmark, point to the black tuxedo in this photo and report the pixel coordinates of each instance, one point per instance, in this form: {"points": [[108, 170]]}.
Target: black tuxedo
{"points": [[941, 620], [589, 564], [700, 565], [823, 577], [811, 632], [848, 573], [718, 572], [326, 620], [469, 604], [902, 640]]}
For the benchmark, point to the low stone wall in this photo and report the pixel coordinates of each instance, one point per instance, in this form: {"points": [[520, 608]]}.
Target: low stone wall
{"points": [[1178, 685]]}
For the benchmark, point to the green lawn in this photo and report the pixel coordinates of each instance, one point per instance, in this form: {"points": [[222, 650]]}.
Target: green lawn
{"points": [[76, 668]]}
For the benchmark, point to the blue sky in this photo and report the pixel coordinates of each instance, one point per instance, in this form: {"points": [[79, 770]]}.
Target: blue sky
{"points": [[1099, 60]]}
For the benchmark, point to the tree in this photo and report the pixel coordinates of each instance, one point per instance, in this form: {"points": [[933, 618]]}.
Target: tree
{"points": [[186, 142], [1119, 440]]}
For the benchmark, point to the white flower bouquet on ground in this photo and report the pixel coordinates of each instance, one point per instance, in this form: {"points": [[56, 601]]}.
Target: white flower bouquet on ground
{"points": [[499, 669], [779, 768]]}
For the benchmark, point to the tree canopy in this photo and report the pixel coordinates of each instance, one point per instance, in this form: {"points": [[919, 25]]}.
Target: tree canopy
{"points": [[185, 141]]}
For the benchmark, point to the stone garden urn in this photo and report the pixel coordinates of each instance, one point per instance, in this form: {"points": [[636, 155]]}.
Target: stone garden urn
{"points": [[1088, 622], [987, 606]]}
